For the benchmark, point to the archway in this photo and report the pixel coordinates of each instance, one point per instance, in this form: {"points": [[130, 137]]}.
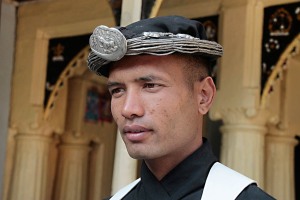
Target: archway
{"points": [[83, 154], [281, 97]]}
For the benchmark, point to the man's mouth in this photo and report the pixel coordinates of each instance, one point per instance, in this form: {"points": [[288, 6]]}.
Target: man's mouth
{"points": [[135, 129], [136, 133]]}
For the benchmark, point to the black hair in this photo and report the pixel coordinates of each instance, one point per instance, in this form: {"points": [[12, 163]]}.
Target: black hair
{"points": [[196, 67]]}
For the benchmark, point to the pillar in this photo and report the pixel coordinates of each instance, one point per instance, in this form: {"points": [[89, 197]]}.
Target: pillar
{"points": [[280, 165], [30, 174], [72, 172], [96, 171], [237, 102], [124, 166], [243, 149], [8, 21]]}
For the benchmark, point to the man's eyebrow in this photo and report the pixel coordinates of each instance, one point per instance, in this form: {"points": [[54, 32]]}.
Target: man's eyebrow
{"points": [[148, 78], [111, 84]]}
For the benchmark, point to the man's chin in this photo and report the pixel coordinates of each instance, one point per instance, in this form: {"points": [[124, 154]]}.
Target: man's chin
{"points": [[140, 155], [137, 156]]}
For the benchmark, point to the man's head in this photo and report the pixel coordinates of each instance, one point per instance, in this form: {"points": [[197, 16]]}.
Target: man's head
{"points": [[158, 76], [157, 108]]}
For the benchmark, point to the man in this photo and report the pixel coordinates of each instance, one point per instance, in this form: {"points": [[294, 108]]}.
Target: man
{"points": [[159, 78]]}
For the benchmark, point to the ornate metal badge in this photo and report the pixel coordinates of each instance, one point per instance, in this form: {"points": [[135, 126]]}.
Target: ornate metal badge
{"points": [[280, 23], [297, 12], [108, 43], [211, 30]]}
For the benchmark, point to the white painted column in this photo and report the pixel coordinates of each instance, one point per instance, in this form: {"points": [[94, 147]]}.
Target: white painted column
{"points": [[125, 168], [97, 155], [7, 52], [131, 11], [237, 100], [31, 166], [243, 149], [280, 165], [72, 172]]}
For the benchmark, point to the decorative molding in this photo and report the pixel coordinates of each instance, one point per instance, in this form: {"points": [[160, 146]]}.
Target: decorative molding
{"points": [[36, 126], [268, 3], [238, 3], [241, 116], [43, 34], [274, 120], [39, 68], [71, 70], [204, 8], [155, 8], [244, 128], [282, 64], [283, 138], [280, 29], [77, 138]]}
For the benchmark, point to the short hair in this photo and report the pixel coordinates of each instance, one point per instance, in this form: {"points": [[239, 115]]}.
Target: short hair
{"points": [[195, 67]]}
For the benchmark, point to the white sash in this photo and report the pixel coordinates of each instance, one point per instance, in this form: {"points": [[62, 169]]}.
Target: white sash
{"points": [[224, 183], [221, 183], [122, 192]]}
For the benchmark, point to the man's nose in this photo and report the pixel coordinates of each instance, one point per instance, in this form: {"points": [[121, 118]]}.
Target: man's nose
{"points": [[133, 105]]}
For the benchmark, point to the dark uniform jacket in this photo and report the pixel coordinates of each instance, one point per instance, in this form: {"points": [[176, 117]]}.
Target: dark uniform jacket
{"points": [[186, 181]]}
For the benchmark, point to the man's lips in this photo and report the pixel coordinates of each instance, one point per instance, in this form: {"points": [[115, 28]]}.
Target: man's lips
{"points": [[136, 133], [135, 129]]}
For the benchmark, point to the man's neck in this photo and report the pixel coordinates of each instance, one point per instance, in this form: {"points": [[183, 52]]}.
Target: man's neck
{"points": [[160, 167]]}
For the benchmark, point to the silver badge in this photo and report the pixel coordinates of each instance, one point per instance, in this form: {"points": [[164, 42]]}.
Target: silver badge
{"points": [[108, 43]]}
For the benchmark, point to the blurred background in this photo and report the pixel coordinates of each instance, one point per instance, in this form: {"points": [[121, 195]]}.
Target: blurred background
{"points": [[58, 140]]}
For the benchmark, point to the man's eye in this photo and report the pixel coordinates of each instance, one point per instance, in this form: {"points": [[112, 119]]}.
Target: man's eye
{"points": [[116, 91], [150, 85]]}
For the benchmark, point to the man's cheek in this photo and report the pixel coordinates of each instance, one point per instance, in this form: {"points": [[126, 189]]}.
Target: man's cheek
{"points": [[114, 114]]}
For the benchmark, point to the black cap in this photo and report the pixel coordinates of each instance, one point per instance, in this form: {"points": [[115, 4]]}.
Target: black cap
{"points": [[165, 24], [157, 36]]}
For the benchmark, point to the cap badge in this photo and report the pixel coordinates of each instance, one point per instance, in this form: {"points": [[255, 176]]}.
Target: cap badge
{"points": [[108, 43]]}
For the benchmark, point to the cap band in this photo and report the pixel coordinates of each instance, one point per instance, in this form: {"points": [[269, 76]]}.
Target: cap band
{"points": [[155, 36], [108, 45]]}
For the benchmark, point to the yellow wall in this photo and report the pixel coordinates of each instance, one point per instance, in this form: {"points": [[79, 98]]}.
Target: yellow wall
{"points": [[37, 23]]}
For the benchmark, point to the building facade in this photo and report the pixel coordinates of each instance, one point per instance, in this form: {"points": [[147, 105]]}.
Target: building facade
{"points": [[61, 142]]}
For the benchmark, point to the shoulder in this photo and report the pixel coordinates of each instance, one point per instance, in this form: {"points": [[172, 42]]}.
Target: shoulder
{"points": [[217, 180], [240, 187], [125, 190], [254, 192]]}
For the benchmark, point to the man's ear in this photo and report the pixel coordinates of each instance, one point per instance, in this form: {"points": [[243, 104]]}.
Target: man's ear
{"points": [[206, 91]]}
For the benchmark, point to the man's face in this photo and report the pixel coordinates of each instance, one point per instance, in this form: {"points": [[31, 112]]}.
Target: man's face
{"points": [[155, 110]]}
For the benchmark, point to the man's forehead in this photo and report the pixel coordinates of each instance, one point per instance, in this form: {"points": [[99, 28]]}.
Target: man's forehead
{"points": [[144, 78], [144, 62], [146, 67]]}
